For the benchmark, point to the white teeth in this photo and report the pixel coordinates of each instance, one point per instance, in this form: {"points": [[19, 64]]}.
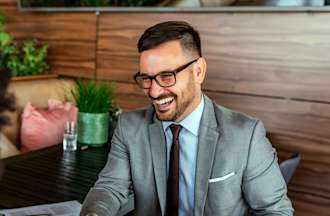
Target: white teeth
{"points": [[164, 100]]}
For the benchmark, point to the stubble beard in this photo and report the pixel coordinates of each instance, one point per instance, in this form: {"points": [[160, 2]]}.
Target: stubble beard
{"points": [[187, 99]]}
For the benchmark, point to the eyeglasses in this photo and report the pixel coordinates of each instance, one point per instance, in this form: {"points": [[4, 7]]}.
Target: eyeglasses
{"points": [[163, 79]]}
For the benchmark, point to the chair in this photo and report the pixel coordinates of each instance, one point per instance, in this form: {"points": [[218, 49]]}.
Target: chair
{"points": [[289, 166]]}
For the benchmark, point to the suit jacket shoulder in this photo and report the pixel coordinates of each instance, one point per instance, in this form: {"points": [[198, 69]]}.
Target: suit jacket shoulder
{"points": [[138, 116], [226, 119]]}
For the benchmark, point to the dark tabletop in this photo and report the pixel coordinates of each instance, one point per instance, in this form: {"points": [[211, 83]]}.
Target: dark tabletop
{"points": [[50, 175]]}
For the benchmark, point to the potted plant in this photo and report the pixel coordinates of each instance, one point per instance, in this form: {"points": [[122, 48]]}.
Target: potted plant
{"points": [[28, 60], [95, 102]]}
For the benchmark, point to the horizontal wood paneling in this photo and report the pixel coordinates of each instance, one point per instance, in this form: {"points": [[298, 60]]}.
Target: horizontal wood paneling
{"points": [[117, 55], [256, 54], [292, 126], [7, 4], [73, 58], [71, 37], [308, 205], [129, 96], [250, 53]]}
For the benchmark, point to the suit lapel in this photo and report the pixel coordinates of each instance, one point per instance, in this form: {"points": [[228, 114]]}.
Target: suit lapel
{"points": [[207, 141], [158, 151]]}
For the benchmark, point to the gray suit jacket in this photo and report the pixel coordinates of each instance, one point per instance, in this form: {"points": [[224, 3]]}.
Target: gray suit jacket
{"points": [[236, 167]]}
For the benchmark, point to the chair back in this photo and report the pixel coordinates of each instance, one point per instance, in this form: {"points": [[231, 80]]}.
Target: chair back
{"points": [[289, 166]]}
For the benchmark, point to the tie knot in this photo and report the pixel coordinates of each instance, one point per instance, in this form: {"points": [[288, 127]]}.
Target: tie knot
{"points": [[175, 130]]}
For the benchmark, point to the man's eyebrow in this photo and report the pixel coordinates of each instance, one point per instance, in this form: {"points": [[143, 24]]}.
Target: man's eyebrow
{"points": [[143, 74], [164, 71]]}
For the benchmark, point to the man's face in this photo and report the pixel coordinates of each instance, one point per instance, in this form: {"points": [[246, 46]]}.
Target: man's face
{"points": [[176, 102]]}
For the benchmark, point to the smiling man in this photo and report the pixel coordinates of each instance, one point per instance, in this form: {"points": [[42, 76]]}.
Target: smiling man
{"points": [[185, 155], [171, 100]]}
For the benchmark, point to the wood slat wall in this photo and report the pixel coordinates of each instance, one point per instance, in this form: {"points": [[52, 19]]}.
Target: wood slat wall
{"points": [[71, 36], [251, 53], [272, 66]]}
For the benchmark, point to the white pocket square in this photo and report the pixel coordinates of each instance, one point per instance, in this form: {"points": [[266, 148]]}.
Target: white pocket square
{"points": [[221, 178]]}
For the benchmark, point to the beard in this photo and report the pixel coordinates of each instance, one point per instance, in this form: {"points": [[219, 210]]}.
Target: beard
{"points": [[182, 103]]}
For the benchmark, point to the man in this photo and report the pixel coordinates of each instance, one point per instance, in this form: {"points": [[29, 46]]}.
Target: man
{"points": [[216, 163]]}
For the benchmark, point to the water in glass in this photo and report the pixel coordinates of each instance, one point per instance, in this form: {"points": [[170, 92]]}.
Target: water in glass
{"points": [[70, 137]]}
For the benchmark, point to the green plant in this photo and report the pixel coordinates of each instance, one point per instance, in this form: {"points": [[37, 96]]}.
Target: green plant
{"points": [[30, 60], [91, 3], [7, 44], [2, 22], [7, 48], [92, 97]]}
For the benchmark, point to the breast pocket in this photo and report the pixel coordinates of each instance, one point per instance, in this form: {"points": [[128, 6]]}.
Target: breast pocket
{"points": [[224, 192]]}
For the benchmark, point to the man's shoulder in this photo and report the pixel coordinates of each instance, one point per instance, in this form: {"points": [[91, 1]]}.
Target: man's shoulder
{"points": [[137, 116], [227, 116]]}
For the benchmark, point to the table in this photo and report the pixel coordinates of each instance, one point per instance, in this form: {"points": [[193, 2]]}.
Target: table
{"points": [[50, 175]]}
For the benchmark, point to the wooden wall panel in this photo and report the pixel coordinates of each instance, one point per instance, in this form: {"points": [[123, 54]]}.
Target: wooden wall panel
{"points": [[73, 58], [71, 37], [250, 53], [308, 205], [129, 96], [258, 54]]}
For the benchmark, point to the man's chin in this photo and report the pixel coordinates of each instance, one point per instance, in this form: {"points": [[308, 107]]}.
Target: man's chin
{"points": [[164, 116]]}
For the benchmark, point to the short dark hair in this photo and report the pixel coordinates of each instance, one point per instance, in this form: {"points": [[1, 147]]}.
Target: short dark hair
{"points": [[169, 31], [7, 101]]}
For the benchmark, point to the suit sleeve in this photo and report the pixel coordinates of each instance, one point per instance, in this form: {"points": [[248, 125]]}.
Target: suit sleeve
{"points": [[263, 185], [111, 190]]}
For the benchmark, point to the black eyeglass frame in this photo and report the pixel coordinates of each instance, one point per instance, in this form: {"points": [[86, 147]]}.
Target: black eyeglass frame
{"points": [[154, 77]]}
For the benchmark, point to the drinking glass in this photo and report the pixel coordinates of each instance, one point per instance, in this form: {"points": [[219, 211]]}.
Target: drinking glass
{"points": [[70, 137]]}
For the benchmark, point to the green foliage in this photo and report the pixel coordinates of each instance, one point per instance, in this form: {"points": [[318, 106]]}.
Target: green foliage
{"points": [[7, 45], [7, 48], [92, 3], [30, 60], [92, 97], [2, 22]]}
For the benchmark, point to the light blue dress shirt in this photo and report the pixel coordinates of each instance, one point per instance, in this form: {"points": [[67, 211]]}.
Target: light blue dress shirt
{"points": [[188, 139]]}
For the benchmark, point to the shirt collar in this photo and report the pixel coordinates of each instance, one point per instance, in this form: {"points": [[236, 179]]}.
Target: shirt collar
{"points": [[191, 122]]}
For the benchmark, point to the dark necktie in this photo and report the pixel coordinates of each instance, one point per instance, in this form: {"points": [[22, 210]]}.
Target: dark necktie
{"points": [[172, 205]]}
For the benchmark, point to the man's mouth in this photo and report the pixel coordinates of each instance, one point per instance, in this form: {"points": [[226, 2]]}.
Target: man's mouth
{"points": [[163, 104], [164, 101]]}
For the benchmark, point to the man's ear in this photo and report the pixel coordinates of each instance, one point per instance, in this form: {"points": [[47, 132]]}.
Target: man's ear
{"points": [[200, 70]]}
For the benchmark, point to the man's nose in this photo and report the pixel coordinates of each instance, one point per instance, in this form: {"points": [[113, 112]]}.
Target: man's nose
{"points": [[155, 89]]}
